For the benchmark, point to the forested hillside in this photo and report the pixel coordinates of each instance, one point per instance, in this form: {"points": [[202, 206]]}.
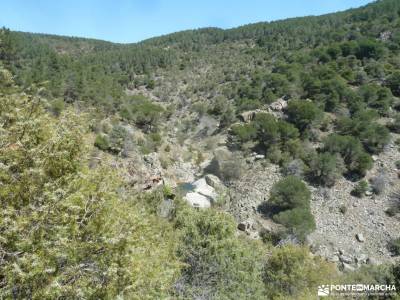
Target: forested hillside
{"points": [[251, 163]]}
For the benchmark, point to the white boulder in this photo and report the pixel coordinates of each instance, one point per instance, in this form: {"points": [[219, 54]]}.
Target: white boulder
{"points": [[197, 200], [201, 187]]}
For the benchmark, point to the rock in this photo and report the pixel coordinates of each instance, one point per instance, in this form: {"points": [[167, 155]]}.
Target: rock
{"points": [[201, 187], [374, 157], [361, 258], [360, 237], [242, 226], [197, 200], [278, 105], [247, 116], [245, 225], [213, 181], [372, 261], [346, 259], [166, 208], [348, 268], [334, 259]]}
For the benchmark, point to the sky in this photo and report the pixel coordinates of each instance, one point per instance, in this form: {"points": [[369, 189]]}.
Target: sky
{"points": [[127, 21]]}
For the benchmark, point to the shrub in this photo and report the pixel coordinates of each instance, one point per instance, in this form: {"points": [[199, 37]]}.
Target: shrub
{"points": [[67, 231], [244, 133], [355, 158], [291, 198], [142, 111], [303, 114], [393, 82], [226, 165], [326, 168], [117, 138], [298, 221], [394, 246], [363, 126], [218, 264], [57, 106], [343, 209], [360, 189], [290, 193], [102, 142], [379, 183], [395, 124], [291, 272], [295, 167]]}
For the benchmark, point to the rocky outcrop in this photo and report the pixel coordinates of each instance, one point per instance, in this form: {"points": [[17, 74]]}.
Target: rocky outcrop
{"points": [[205, 191], [197, 200], [201, 187], [279, 105]]}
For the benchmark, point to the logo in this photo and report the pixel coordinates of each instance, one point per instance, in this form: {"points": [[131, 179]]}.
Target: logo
{"points": [[323, 290], [356, 290]]}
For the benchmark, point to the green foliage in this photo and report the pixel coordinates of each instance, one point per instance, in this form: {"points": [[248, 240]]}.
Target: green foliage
{"points": [[302, 114], [290, 193], [395, 124], [355, 158], [381, 274], [372, 135], [376, 97], [57, 106], [142, 112], [360, 189], [299, 221], [325, 168], [102, 142], [291, 197], [369, 48], [394, 246], [271, 134], [292, 272], [393, 82], [65, 229], [219, 265], [244, 133], [117, 138]]}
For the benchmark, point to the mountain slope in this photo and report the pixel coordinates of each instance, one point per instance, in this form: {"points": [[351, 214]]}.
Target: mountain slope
{"points": [[287, 130]]}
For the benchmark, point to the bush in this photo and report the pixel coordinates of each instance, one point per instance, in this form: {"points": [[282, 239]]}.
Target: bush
{"points": [[379, 183], [68, 233], [303, 114], [290, 193], [326, 168], [219, 265], [290, 199], [102, 142], [395, 124], [292, 273], [226, 165], [298, 221], [142, 111], [393, 82], [364, 127], [57, 106], [244, 133], [295, 167], [117, 139], [355, 158], [360, 189], [394, 246]]}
